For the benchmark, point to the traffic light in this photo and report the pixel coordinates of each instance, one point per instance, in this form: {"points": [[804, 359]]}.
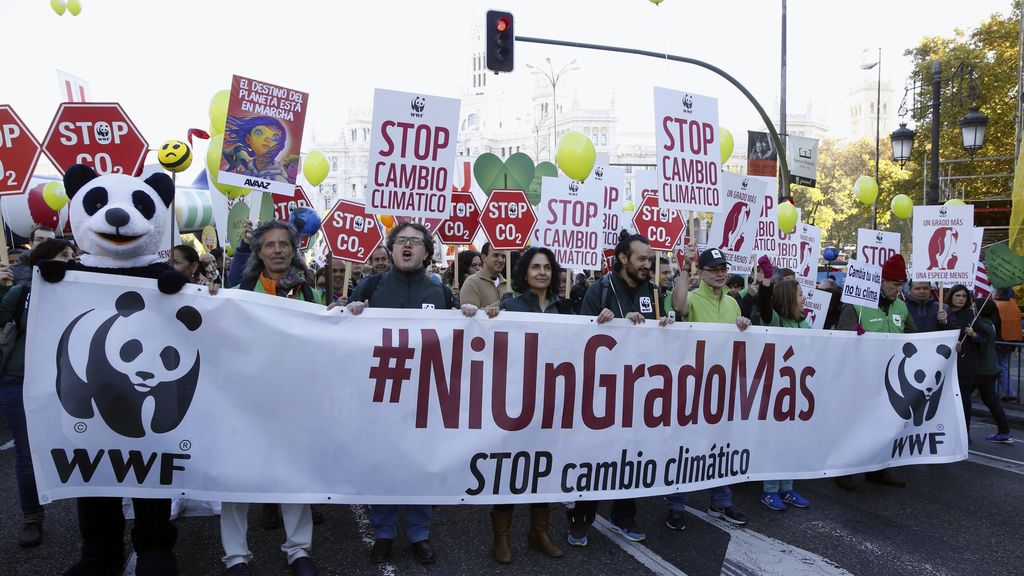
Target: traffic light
{"points": [[500, 40]]}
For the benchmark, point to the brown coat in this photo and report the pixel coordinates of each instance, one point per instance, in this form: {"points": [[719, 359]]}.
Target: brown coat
{"points": [[480, 291]]}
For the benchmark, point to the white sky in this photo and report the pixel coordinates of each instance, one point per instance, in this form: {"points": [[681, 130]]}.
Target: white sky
{"points": [[163, 61]]}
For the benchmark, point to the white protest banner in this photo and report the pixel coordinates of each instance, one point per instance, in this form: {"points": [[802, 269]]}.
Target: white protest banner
{"points": [[979, 235], [810, 251], [527, 407], [688, 150], [412, 152], [863, 284], [875, 246], [569, 222], [943, 242], [766, 242], [733, 231], [802, 154], [816, 308], [610, 185]]}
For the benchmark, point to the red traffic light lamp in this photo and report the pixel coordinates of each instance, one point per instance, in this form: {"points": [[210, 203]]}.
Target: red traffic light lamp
{"points": [[500, 41]]}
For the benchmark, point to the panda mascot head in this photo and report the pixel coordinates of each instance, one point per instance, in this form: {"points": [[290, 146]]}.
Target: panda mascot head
{"points": [[118, 220]]}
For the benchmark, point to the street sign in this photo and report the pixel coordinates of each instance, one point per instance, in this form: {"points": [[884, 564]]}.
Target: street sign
{"points": [[19, 153], [508, 219], [99, 135], [351, 233], [463, 222], [661, 227]]}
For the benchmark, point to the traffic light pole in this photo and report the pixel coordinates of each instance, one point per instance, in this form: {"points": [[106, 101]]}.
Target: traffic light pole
{"points": [[784, 192]]}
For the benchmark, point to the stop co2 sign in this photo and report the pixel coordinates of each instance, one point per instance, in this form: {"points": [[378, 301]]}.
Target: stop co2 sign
{"points": [[351, 233], [99, 135], [463, 222], [508, 219], [662, 228]]}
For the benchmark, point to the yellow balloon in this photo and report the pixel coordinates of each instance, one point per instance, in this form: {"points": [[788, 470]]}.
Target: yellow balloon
{"points": [[213, 156], [902, 206], [54, 195], [575, 155], [219, 111], [787, 217], [74, 7], [955, 202], [726, 143], [315, 167], [58, 6], [628, 206], [866, 189], [656, 2]]}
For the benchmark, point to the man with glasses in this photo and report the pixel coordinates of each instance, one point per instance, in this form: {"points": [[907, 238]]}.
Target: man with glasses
{"points": [[709, 302], [404, 285]]}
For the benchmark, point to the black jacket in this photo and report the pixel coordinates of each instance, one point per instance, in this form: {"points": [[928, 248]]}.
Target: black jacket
{"points": [[398, 289], [619, 298]]}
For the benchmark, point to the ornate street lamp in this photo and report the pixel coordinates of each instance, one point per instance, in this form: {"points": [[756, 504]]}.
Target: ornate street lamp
{"points": [[902, 143], [972, 130]]}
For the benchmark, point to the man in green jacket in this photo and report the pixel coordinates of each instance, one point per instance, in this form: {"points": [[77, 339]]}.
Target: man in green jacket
{"points": [[892, 316]]}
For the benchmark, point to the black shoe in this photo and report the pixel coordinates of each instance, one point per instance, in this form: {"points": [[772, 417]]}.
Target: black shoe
{"points": [[238, 570], [676, 520], [846, 483], [271, 519], [381, 551], [729, 514], [302, 567], [318, 515], [423, 551], [884, 477]]}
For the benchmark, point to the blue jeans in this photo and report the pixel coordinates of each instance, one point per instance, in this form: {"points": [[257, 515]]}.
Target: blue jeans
{"points": [[1003, 384], [13, 407], [384, 518], [778, 485], [721, 497]]}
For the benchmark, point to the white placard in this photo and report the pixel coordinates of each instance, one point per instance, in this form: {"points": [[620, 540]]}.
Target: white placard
{"points": [[863, 284], [766, 242], [979, 234], [412, 154], [943, 243], [688, 151], [569, 222], [609, 184], [810, 252], [802, 154], [733, 231], [816, 308], [875, 246]]}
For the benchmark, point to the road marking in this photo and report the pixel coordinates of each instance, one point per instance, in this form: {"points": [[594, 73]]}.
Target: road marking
{"points": [[643, 554], [1007, 464], [7, 445], [362, 514], [752, 553]]}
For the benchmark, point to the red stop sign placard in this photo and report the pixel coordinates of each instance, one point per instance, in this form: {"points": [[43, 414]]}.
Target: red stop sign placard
{"points": [[662, 228], [99, 135], [351, 233], [463, 222], [19, 153], [508, 219], [283, 205]]}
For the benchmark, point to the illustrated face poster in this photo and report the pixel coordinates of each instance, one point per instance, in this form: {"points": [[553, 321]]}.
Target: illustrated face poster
{"points": [[262, 136]]}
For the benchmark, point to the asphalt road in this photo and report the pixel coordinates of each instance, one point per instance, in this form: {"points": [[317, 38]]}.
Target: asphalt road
{"points": [[957, 519]]}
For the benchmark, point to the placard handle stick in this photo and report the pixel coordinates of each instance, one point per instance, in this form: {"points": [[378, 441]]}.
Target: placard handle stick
{"points": [[455, 263], [693, 240], [348, 278], [330, 278], [3, 249]]}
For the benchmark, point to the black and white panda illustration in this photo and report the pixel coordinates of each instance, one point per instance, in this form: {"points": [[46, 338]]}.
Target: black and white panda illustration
{"points": [[920, 391], [118, 221], [134, 355]]}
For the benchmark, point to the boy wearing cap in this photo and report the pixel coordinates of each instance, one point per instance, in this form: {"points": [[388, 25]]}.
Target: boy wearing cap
{"points": [[893, 316], [709, 302]]}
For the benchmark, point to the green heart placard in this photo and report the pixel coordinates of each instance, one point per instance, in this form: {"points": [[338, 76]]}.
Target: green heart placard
{"points": [[1004, 268], [491, 173], [543, 169]]}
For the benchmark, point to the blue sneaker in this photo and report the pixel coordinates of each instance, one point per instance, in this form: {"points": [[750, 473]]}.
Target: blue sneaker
{"points": [[1001, 438], [791, 497], [633, 534], [773, 501]]}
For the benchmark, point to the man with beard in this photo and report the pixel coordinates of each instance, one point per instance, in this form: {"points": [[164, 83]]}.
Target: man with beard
{"points": [[626, 292], [709, 302]]}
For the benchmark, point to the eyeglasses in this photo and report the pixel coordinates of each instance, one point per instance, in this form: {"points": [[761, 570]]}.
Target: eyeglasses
{"points": [[411, 240]]}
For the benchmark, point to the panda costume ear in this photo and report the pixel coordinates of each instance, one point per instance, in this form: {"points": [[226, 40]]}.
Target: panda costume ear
{"points": [[76, 177], [163, 185]]}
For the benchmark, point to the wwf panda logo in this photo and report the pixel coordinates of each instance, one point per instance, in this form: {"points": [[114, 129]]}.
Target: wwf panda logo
{"points": [[688, 102], [135, 354], [574, 188], [919, 392], [599, 172], [746, 182], [943, 211], [101, 131], [418, 104], [879, 237]]}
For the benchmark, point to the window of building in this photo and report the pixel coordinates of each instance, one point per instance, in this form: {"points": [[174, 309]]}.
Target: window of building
{"points": [[353, 134], [334, 163]]}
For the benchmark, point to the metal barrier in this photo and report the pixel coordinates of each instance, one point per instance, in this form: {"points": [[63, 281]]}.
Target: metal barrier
{"points": [[1013, 369]]}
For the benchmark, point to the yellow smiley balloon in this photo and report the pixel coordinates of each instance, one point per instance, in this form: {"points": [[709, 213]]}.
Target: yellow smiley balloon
{"points": [[174, 156]]}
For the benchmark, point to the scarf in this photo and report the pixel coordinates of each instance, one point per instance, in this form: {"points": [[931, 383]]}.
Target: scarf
{"points": [[289, 285]]}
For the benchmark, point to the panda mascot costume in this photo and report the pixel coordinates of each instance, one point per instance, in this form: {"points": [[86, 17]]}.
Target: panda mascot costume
{"points": [[118, 222]]}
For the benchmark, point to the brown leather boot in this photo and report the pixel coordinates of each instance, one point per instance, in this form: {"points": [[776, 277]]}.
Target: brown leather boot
{"points": [[539, 537], [501, 524]]}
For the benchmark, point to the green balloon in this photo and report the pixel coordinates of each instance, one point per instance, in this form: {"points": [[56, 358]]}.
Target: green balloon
{"points": [[902, 206], [486, 170]]}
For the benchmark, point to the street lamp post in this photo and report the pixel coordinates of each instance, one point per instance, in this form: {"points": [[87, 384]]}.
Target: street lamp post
{"points": [[878, 124], [972, 125], [553, 78]]}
